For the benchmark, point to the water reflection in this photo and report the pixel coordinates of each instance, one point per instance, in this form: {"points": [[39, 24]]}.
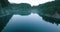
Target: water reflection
{"points": [[51, 20], [48, 18], [4, 20], [31, 23], [50, 12], [21, 9], [29, 19]]}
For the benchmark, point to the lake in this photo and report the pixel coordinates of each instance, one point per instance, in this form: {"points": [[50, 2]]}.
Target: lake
{"points": [[17, 19], [27, 23]]}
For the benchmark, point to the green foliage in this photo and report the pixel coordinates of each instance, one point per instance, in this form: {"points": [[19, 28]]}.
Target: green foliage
{"points": [[24, 5], [50, 7], [4, 3]]}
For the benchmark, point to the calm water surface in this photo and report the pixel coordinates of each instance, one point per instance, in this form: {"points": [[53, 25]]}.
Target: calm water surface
{"points": [[30, 23]]}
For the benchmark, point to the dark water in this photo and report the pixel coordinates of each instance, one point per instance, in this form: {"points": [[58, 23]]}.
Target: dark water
{"points": [[28, 23], [25, 20]]}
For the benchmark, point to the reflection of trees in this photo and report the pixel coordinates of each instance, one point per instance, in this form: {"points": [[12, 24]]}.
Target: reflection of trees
{"points": [[3, 21], [49, 11], [51, 20], [46, 10], [25, 12], [22, 9]]}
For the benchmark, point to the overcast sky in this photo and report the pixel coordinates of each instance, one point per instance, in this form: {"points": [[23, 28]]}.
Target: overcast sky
{"points": [[32, 2]]}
